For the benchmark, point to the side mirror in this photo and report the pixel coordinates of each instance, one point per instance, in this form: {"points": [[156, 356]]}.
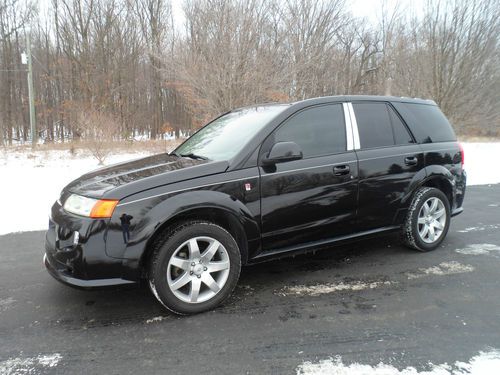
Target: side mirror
{"points": [[282, 152]]}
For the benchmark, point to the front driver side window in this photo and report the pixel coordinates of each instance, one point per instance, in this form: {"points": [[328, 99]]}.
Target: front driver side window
{"points": [[318, 130]]}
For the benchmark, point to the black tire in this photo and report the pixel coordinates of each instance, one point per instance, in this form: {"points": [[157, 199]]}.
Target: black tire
{"points": [[163, 250], [410, 231]]}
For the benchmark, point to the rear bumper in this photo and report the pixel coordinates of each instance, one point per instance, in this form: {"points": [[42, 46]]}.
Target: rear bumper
{"points": [[460, 188], [457, 211], [63, 276]]}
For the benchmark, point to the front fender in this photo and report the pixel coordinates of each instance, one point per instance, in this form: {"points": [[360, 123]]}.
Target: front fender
{"points": [[150, 215]]}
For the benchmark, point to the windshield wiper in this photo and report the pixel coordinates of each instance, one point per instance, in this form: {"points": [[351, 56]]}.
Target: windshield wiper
{"points": [[194, 156]]}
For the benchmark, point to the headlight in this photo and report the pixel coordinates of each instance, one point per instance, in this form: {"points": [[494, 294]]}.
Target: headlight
{"points": [[89, 207]]}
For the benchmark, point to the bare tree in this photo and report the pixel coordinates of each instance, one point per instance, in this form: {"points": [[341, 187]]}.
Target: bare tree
{"points": [[14, 16], [98, 129], [458, 53], [154, 17], [227, 60]]}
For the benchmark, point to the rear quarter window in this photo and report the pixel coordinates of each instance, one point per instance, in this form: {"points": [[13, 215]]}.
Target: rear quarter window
{"points": [[374, 124], [427, 123]]}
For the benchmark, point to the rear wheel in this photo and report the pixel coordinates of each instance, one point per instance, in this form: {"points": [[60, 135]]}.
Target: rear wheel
{"points": [[428, 220], [194, 267]]}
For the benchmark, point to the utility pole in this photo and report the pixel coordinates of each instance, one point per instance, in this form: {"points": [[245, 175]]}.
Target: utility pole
{"points": [[31, 92]]}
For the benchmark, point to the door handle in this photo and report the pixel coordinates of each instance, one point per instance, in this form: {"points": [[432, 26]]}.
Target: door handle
{"points": [[341, 170], [411, 160]]}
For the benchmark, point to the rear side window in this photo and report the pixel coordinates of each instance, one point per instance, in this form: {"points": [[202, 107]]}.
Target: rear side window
{"points": [[374, 125], [318, 130], [401, 135], [427, 123]]}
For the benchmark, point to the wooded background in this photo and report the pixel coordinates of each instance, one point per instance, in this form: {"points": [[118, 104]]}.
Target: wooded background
{"points": [[119, 68]]}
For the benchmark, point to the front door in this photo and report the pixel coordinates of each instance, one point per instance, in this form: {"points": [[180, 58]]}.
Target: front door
{"points": [[313, 198]]}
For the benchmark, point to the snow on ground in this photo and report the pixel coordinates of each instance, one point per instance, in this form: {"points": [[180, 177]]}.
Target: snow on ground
{"points": [[479, 249], [156, 319], [319, 289], [485, 363], [32, 181], [29, 365], [442, 269], [479, 163]]}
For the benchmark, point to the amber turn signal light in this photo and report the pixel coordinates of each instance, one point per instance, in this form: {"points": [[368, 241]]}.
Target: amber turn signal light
{"points": [[103, 208]]}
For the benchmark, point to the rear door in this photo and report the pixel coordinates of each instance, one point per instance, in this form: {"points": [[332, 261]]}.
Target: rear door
{"points": [[313, 198], [388, 160]]}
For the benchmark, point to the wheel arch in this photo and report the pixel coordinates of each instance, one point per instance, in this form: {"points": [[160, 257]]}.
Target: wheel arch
{"points": [[441, 183], [435, 176], [215, 207]]}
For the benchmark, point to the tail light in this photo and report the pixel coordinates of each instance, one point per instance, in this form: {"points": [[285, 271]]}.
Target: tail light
{"points": [[462, 154]]}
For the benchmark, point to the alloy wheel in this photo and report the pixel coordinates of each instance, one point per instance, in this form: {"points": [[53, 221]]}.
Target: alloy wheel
{"points": [[431, 220], [198, 269]]}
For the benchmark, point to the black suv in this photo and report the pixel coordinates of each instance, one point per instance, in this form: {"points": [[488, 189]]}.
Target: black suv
{"points": [[258, 183]]}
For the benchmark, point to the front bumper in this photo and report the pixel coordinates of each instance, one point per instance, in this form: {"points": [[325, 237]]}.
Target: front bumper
{"points": [[62, 275], [75, 252]]}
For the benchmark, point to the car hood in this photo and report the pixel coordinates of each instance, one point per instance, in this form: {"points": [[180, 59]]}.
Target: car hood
{"points": [[120, 180]]}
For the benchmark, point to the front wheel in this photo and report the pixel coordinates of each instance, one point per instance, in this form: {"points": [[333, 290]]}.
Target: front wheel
{"points": [[194, 267], [428, 220]]}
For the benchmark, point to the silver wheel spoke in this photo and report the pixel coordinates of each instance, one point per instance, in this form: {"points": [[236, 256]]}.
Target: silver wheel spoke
{"points": [[434, 204], [180, 263], [439, 213], [424, 231], [180, 281], [195, 289], [209, 253], [431, 233], [210, 282], [438, 225], [217, 266], [425, 207], [421, 220], [194, 250]]}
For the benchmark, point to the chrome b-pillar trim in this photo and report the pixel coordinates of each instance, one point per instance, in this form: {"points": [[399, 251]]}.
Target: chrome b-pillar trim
{"points": [[354, 125], [348, 127]]}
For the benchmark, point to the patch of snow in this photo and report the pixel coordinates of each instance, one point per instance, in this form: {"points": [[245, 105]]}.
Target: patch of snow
{"points": [[479, 171], [30, 365], [6, 303], [319, 289], [480, 228], [485, 363], [156, 319], [478, 249], [442, 269], [50, 360]]}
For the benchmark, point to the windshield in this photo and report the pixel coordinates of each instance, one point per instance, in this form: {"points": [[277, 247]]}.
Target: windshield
{"points": [[225, 136]]}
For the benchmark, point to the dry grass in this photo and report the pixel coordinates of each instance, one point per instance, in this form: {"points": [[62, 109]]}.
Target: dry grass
{"points": [[471, 138], [82, 147]]}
